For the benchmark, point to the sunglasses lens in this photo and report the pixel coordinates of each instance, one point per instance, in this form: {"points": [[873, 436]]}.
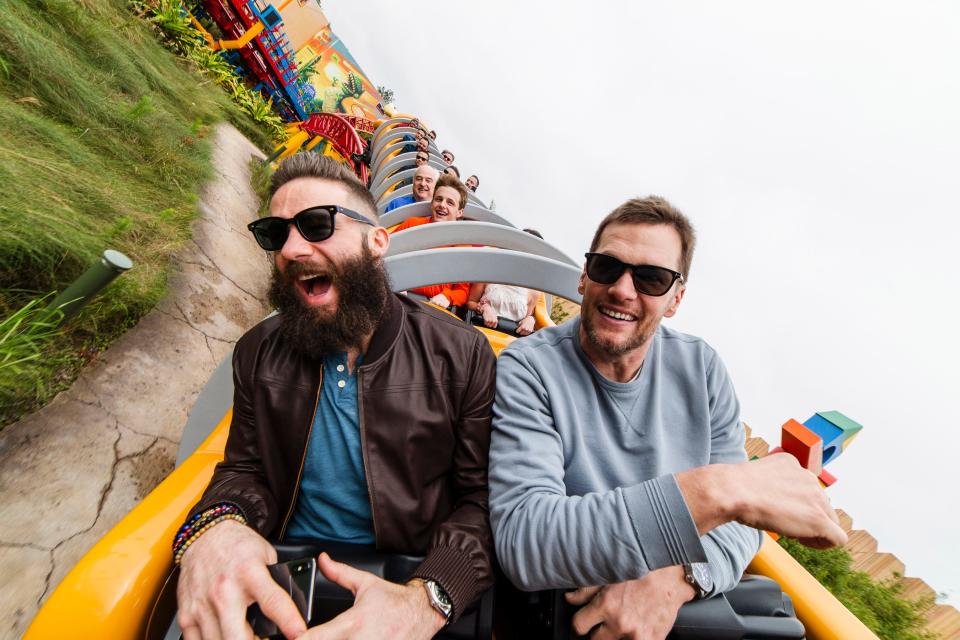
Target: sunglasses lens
{"points": [[315, 224], [270, 233], [652, 281], [604, 269], [647, 279]]}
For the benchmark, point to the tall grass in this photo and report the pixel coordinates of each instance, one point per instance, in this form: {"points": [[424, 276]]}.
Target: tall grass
{"points": [[103, 145], [24, 335]]}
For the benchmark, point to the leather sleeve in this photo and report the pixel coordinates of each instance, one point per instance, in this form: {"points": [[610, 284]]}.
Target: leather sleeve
{"points": [[240, 477], [460, 557]]}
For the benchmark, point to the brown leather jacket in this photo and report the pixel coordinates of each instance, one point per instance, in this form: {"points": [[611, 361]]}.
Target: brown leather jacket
{"points": [[425, 391]]}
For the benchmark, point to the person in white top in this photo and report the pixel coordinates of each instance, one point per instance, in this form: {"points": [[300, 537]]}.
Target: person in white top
{"points": [[493, 301]]}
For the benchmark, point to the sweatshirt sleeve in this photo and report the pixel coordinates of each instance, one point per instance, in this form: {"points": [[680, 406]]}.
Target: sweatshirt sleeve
{"points": [[546, 539], [732, 546]]}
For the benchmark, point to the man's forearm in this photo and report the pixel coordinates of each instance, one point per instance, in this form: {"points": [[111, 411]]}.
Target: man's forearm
{"points": [[773, 493], [543, 540], [708, 494]]}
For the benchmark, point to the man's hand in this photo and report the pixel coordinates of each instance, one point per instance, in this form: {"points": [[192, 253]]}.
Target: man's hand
{"points": [[381, 609], [642, 609], [222, 573], [441, 301], [773, 493]]}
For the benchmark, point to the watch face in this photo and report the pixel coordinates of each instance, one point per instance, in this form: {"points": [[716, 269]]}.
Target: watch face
{"points": [[701, 573], [441, 594], [439, 598]]}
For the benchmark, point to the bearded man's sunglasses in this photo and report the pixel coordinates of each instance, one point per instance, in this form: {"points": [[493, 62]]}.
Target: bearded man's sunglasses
{"points": [[314, 224], [648, 279]]}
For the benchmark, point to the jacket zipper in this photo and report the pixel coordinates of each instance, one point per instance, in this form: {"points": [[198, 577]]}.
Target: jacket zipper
{"points": [[366, 465], [303, 459]]}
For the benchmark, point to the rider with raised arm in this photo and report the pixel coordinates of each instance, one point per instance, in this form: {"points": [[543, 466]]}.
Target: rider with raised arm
{"points": [[359, 416], [617, 463]]}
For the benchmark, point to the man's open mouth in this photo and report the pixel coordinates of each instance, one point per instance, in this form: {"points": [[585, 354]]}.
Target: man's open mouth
{"points": [[314, 287]]}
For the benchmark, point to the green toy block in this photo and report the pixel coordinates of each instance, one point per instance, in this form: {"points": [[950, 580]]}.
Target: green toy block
{"points": [[848, 426]]}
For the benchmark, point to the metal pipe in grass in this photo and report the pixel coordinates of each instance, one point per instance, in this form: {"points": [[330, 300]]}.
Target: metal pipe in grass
{"points": [[111, 264]]}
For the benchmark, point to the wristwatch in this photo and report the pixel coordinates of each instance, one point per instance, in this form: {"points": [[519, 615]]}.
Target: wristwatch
{"points": [[439, 599], [697, 575]]}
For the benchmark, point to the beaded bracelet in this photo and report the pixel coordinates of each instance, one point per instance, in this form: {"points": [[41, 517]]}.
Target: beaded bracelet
{"points": [[178, 555], [199, 520]]}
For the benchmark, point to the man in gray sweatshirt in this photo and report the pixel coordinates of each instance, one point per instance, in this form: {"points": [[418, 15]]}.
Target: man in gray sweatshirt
{"points": [[617, 463]]}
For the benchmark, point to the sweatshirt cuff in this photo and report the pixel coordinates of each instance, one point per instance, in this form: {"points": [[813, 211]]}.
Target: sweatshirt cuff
{"points": [[453, 570], [665, 530]]}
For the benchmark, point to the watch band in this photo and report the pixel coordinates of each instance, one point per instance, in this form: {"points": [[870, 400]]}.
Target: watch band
{"points": [[439, 599]]}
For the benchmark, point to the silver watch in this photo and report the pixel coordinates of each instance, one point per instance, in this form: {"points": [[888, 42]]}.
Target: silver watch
{"points": [[439, 599], [698, 576]]}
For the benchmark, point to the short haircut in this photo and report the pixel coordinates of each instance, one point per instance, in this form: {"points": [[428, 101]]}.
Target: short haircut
{"points": [[653, 210], [452, 157], [534, 232], [454, 169], [474, 176], [426, 167], [447, 180], [308, 164]]}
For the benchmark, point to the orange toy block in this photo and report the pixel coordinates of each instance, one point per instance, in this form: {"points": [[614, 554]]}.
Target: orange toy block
{"points": [[804, 445]]}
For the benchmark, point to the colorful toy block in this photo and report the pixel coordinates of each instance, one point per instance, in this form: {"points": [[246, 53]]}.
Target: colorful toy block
{"points": [[826, 478], [830, 434], [805, 445]]}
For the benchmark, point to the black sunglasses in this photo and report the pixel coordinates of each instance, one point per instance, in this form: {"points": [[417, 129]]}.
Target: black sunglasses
{"points": [[314, 224], [648, 279]]}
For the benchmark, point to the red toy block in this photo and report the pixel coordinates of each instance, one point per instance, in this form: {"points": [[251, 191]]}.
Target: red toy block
{"points": [[826, 478], [804, 445]]}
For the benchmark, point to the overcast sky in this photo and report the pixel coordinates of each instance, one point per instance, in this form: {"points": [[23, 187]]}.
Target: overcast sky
{"points": [[815, 146]]}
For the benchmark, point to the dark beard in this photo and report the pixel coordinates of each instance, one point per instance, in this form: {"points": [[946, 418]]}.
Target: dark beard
{"points": [[362, 289]]}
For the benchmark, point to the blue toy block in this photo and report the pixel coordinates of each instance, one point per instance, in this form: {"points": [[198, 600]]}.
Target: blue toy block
{"points": [[832, 436]]}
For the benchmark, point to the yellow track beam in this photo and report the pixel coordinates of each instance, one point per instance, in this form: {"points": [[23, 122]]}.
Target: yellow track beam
{"points": [[820, 612], [247, 36], [240, 42]]}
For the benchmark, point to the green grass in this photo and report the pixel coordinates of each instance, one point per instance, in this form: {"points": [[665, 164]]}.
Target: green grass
{"points": [[104, 145], [878, 605]]}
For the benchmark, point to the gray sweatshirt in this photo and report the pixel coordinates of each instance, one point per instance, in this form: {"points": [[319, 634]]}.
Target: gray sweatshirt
{"points": [[582, 490]]}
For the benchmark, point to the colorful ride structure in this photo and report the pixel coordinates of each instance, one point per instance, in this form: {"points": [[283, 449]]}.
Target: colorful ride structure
{"points": [[262, 50], [258, 45], [331, 134]]}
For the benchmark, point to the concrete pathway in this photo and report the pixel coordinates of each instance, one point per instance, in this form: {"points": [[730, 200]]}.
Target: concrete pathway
{"points": [[72, 470]]}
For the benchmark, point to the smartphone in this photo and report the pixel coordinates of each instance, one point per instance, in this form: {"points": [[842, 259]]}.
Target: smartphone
{"points": [[297, 578]]}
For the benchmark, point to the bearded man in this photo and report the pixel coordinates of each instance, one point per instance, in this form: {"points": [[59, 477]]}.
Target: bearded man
{"points": [[617, 463], [359, 416]]}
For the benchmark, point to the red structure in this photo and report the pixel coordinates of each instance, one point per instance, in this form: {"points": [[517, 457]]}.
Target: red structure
{"points": [[268, 58], [340, 133]]}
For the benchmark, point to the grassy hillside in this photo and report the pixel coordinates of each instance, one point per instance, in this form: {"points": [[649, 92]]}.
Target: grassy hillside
{"points": [[103, 145]]}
